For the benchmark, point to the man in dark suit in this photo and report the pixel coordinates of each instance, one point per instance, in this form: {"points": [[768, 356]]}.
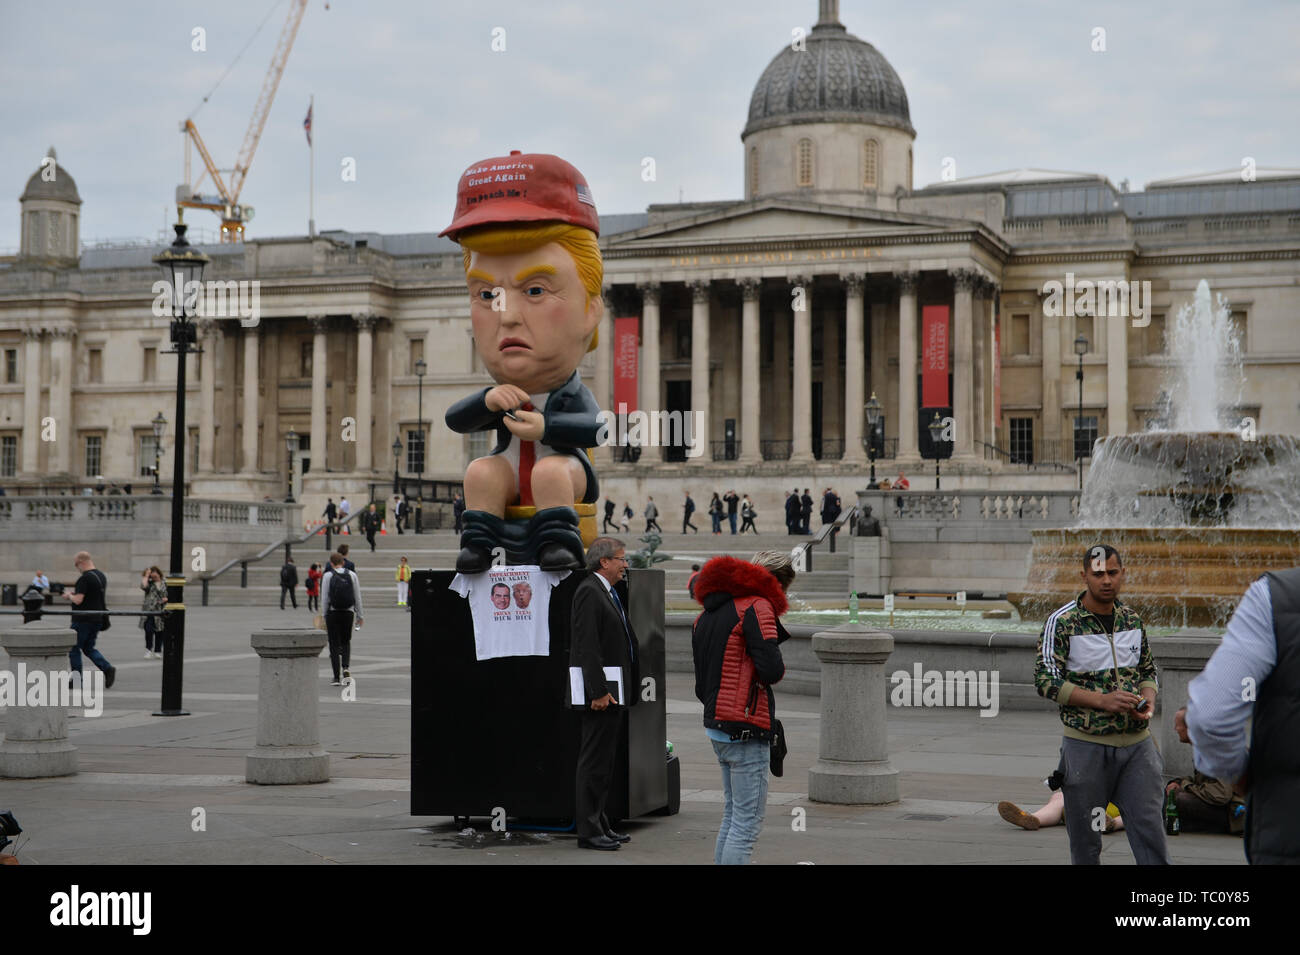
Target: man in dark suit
{"points": [[602, 637]]}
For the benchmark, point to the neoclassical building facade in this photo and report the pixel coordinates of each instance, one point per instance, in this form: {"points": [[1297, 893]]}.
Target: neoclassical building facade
{"points": [[772, 318]]}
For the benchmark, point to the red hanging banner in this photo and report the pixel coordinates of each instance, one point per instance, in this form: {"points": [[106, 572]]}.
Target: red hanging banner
{"points": [[934, 356], [625, 364]]}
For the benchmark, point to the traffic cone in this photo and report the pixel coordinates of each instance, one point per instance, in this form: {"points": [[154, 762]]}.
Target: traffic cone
{"points": [[383, 527]]}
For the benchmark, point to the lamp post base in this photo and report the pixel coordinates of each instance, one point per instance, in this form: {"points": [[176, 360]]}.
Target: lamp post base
{"points": [[171, 712]]}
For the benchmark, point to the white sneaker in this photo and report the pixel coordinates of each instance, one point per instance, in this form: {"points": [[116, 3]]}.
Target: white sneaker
{"points": [[148, 654]]}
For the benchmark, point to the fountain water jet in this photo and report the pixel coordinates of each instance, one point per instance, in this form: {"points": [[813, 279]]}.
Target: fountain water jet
{"points": [[1196, 512]]}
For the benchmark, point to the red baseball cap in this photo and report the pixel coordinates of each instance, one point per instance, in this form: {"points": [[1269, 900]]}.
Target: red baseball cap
{"points": [[522, 187]]}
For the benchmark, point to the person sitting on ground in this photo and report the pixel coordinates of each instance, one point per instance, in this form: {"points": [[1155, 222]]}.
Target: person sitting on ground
{"points": [[1052, 814]]}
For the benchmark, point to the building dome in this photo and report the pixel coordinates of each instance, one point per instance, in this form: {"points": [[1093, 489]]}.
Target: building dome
{"points": [[838, 78], [60, 186]]}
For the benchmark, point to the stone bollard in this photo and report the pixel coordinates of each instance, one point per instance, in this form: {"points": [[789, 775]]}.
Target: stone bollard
{"points": [[853, 766], [288, 709], [36, 737], [1179, 659]]}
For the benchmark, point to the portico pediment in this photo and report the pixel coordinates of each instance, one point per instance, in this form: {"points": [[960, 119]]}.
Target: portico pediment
{"points": [[750, 222]]}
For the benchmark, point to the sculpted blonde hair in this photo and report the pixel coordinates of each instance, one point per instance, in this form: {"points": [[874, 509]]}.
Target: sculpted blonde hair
{"points": [[578, 242]]}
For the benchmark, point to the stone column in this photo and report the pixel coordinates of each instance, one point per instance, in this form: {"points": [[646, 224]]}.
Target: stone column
{"points": [[751, 291], [801, 424], [318, 363], [31, 401], [832, 390], [907, 282], [979, 353], [963, 399], [35, 740], [251, 417], [602, 384], [990, 340], [700, 368], [1051, 339], [288, 709], [648, 373], [854, 402], [61, 399], [209, 336], [365, 370], [779, 396], [853, 766], [880, 368], [1116, 336]]}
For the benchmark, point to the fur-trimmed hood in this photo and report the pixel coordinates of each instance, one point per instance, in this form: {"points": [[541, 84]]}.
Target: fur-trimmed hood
{"points": [[724, 578]]}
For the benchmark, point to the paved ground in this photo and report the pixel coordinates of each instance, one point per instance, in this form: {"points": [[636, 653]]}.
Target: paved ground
{"points": [[142, 778]]}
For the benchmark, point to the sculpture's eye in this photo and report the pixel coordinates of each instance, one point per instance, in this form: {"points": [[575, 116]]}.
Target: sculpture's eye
{"points": [[534, 291]]}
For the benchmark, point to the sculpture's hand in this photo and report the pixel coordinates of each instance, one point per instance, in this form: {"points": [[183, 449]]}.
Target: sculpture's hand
{"points": [[505, 398]]}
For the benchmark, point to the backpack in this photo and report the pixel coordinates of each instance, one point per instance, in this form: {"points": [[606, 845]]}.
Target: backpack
{"points": [[342, 596], [286, 576]]}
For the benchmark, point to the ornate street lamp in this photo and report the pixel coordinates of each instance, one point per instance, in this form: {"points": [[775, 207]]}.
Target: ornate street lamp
{"points": [[397, 459], [182, 267], [1080, 349], [159, 429], [420, 368], [291, 443], [936, 435], [873, 421]]}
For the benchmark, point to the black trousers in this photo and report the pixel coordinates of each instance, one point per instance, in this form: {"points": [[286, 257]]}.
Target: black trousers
{"points": [[370, 536], [286, 589], [600, 734], [338, 624]]}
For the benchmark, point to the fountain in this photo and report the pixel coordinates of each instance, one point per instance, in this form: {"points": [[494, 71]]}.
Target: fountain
{"points": [[1198, 511]]}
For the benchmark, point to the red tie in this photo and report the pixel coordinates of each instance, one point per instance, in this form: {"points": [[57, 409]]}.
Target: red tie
{"points": [[527, 455]]}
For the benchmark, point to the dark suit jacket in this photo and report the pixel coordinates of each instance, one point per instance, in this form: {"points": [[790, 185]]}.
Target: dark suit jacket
{"points": [[571, 418], [599, 640]]}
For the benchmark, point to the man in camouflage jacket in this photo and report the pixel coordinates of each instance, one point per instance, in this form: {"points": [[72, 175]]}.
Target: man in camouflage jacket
{"points": [[1094, 661]]}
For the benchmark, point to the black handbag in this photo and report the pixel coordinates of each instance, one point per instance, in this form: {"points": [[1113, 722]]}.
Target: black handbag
{"points": [[103, 582], [779, 748]]}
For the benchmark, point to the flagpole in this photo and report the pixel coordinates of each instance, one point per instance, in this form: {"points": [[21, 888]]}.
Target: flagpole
{"points": [[311, 213]]}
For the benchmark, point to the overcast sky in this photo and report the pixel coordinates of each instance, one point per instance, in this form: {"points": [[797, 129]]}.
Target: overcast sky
{"points": [[413, 92]]}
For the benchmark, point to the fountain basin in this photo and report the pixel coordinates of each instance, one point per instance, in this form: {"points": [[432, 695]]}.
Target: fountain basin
{"points": [[1174, 576]]}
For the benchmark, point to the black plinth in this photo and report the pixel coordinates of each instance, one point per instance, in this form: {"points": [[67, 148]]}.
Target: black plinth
{"points": [[497, 733]]}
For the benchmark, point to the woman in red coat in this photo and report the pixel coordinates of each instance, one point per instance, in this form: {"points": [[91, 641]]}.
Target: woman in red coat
{"points": [[737, 659], [313, 587]]}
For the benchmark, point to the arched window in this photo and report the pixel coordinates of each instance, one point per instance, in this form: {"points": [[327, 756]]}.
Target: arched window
{"points": [[753, 171], [805, 164], [870, 163]]}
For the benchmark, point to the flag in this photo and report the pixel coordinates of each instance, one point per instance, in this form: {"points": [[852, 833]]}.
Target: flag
{"points": [[306, 125]]}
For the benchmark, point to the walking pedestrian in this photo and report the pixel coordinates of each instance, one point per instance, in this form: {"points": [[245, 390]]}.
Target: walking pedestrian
{"points": [[805, 511], [331, 515], [89, 594], [733, 503], [288, 582], [688, 510], [403, 581], [398, 511], [155, 598], [715, 513], [347, 563], [313, 587], [627, 516], [792, 512], [747, 513], [370, 525], [341, 597], [735, 646], [458, 511], [652, 516], [609, 516], [345, 511]]}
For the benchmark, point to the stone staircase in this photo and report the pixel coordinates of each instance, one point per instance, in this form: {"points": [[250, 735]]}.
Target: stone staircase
{"points": [[826, 585]]}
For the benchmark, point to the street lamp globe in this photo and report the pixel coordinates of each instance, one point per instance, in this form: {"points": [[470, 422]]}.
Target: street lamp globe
{"points": [[1081, 345], [159, 426], [182, 266]]}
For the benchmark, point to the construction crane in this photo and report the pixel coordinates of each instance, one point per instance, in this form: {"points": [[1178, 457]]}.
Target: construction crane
{"points": [[226, 202]]}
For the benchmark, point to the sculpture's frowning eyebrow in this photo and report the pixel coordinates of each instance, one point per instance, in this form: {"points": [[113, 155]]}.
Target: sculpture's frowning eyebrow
{"points": [[536, 270], [481, 276]]}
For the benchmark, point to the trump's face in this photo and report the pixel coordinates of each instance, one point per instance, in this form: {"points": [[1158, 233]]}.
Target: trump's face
{"points": [[531, 315], [523, 595], [500, 596]]}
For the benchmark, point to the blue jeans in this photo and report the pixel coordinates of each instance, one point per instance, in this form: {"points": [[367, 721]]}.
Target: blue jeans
{"points": [[87, 633], [731, 518], [717, 523], [744, 789]]}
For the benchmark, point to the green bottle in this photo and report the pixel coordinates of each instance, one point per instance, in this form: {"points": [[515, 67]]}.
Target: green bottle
{"points": [[1173, 826], [853, 607]]}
